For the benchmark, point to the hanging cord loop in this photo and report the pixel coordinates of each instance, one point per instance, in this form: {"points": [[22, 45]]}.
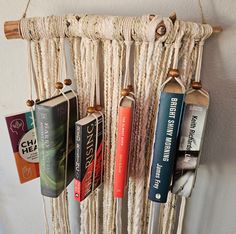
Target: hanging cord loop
{"points": [[127, 87], [30, 103], [174, 72], [26, 9]]}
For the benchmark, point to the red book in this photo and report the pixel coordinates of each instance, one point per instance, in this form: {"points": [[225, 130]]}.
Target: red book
{"points": [[122, 149], [88, 156]]}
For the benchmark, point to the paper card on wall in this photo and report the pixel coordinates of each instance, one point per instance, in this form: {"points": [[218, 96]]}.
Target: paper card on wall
{"points": [[23, 141]]}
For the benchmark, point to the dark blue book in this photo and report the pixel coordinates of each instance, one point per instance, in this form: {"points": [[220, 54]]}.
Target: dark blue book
{"points": [[165, 143]]}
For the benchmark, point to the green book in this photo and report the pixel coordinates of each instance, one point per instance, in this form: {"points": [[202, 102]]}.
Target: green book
{"points": [[51, 127]]}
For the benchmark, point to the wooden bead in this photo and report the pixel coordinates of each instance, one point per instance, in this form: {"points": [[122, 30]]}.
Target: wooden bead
{"points": [[124, 92], [58, 85], [30, 103], [130, 88], [151, 16], [91, 109], [173, 73], [98, 107], [196, 85], [68, 82], [161, 30]]}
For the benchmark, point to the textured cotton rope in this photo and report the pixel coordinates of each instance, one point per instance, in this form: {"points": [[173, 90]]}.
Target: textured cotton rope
{"points": [[156, 69], [149, 38], [62, 33], [112, 73], [86, 205], [155, 209], [30, 75], [93, 53], [59, 202], [185, 53], [166, 61], [170, 207], [137, 128], [63, 67], [95, 94], [140, 49], [207, 31], [170, 204], [63, 203], [98, 102], [113, 97], [107, 106], [127, 27], [131, 184]]}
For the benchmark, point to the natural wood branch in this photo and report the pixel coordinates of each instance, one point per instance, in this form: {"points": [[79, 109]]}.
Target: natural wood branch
{"points": [[12, 28]]}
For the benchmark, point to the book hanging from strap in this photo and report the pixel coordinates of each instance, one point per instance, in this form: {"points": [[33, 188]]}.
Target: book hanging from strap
{"points": [[124, 129], [165, 139], [56, 119], [89, 140], [169, 116], [191, 134]]}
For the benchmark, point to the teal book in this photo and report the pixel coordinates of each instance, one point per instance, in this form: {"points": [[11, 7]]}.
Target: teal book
{"points": [[169, 116], [51, 127]]}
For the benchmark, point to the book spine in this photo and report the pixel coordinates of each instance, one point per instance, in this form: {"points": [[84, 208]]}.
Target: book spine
{"points": [[188, 155], [122, 150], [169, 115], [86, 156], [78, 146], [99, 154], [43, 121]]}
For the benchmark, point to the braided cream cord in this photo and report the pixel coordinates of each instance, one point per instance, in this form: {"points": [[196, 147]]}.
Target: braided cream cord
{"points": [[108, 87], [45, 76]]}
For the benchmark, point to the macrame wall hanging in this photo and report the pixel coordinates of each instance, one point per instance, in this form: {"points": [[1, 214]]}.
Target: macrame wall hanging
{"points": [[110, 54]]}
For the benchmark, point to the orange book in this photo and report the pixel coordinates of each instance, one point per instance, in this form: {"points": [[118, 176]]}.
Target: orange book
{"points": [[122, 149]]}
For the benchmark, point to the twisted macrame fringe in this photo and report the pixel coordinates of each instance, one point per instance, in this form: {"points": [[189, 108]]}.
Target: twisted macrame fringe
{"points": [[151, 58]]}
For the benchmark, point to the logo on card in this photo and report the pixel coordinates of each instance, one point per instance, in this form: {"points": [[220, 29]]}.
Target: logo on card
{"points": [[26, 172], [16, 125]]}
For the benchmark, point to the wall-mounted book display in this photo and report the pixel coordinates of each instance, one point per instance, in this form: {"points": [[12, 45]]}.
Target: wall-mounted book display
{"points": [[130, 155]]}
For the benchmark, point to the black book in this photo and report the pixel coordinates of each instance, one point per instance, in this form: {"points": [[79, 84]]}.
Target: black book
{"points": [[51, 126], [88, 157]]}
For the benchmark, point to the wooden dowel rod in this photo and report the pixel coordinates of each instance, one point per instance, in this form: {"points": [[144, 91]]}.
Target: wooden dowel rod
{"points": [[217, 29], [12, 28]]}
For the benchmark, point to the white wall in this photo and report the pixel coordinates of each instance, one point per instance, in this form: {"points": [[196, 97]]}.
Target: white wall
{"points": [[211, 209]]}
